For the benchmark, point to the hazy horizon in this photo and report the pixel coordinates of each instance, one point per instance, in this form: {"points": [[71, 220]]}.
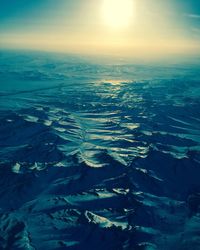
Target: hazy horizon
{"points": [[133, 29]]}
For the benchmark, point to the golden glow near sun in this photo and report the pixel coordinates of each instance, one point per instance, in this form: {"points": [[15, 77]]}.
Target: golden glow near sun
{"points": [[117, 13]]}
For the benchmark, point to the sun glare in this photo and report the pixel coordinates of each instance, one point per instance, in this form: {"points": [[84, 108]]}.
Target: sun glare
{"points": [[117, 13]]}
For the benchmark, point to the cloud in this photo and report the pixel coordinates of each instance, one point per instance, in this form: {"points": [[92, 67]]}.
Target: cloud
{"points": [[194, 16], [196, 30]]}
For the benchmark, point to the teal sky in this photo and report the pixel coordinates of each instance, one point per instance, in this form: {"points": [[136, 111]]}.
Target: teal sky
{"points": [[155, 27]]}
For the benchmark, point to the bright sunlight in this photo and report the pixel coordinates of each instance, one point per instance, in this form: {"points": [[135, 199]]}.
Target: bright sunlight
{"points": [[117, 13]]}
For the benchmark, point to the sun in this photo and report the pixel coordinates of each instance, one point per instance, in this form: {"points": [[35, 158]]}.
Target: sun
{"points": [[117, 13]]}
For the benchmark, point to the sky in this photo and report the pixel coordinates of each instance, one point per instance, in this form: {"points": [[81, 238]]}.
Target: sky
{"points": [[132, 28]]}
